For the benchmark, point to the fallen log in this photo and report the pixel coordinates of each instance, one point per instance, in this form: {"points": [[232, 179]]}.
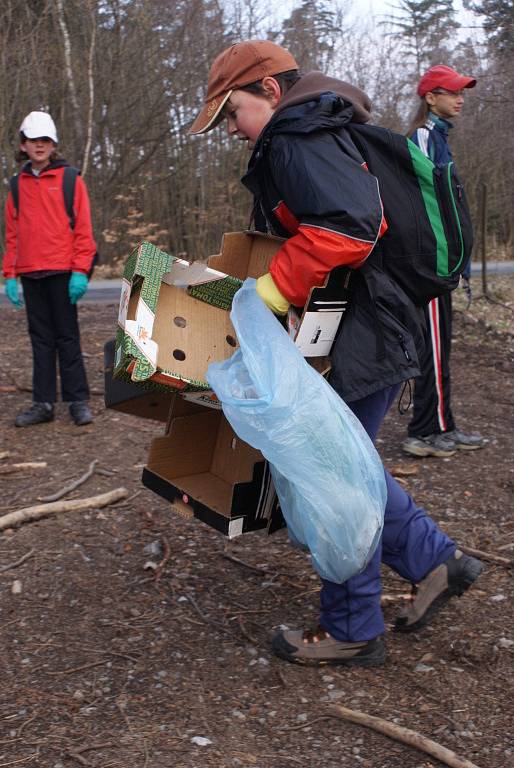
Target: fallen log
{"points": [[27, 514], [402, 734]]}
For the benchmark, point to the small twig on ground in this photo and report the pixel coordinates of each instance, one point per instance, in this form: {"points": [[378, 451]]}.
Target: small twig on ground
{"points": [[204, 617], [245, 632], [165, 558], [399, 597], [255, 568], [42, 510], [75, 756], [402, 734], [17, 562], [487, 556], [105, 472], [78, 669], [76, 752], [304, 725], [130, 498], [24, 725], [71, 486]]}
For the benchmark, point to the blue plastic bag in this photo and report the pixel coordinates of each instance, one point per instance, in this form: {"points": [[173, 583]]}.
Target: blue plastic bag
{"points": [[327, 473]]}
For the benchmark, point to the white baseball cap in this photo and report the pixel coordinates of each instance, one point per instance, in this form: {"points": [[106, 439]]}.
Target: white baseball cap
{"points": [[39, 124]]}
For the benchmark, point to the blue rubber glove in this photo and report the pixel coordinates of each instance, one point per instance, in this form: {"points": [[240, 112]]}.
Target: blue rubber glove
{"points": [[12, 292], [77, 286]]}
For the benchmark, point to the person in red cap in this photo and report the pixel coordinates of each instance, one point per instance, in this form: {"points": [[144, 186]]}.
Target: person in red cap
{"points": [[312, 187], [432, 430], [52, 255]]}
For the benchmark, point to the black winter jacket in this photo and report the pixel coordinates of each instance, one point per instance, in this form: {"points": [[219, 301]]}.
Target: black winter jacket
{"points": [[311, 185]]}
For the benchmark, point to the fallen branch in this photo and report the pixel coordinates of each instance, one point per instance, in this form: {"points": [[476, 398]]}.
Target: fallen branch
{"points": [[18, 562], [404, 735], [71, 486], [165, 558], [487, 556], [43, 510], [9, 469]]}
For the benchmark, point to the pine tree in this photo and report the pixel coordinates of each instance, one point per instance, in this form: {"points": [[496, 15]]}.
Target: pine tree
{"points": [[310, 33], [422, 27]]}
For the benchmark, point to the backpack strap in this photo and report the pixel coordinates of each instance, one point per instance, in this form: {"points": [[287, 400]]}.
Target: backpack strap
{"points": [[14, 186], [68, 190]]}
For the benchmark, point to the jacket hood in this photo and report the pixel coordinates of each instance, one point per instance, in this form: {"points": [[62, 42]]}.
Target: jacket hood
{"points": [[314, 103], [59, 163], [312, 85]]}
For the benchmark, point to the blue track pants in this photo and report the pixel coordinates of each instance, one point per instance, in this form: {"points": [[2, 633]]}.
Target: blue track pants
{"points": [[411, 544]]}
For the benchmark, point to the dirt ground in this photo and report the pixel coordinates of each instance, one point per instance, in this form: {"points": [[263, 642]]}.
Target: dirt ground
{"points": [[108, 663]]}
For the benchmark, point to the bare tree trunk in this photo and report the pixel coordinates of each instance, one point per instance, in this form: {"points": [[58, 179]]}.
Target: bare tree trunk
{"points": [[68, 68], [89, 136]]}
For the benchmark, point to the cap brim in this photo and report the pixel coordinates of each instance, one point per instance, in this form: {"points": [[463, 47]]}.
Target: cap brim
{"points": [[210, 115], [470, 82], [32, 135]]}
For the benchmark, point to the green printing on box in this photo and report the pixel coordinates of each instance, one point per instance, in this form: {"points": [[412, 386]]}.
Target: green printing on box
{"points": [[136, 352]]}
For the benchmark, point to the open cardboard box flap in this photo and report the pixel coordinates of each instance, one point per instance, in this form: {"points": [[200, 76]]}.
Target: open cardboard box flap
{"points": [[207, 472]]}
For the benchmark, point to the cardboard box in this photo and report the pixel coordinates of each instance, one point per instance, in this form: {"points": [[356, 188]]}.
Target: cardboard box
{"points": [[150, 401], [174, 316], [207, 472]]}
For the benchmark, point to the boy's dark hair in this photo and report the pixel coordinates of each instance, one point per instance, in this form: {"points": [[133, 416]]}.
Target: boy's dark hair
{"points": [[285, 79], [21, 157], [420, 117]]}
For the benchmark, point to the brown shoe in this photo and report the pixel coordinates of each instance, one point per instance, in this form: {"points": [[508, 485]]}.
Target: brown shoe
{"points": [[449, 579], [318, 648]]}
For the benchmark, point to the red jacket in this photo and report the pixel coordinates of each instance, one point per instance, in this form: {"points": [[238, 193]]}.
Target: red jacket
{"points": [[40, 237]]}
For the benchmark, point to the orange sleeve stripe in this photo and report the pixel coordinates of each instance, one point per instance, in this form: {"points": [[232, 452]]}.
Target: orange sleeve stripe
{"points": [[306, 259]]}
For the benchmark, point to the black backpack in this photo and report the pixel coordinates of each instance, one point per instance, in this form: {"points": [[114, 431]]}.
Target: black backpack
{"points": [[429, 238], [68, 190]]}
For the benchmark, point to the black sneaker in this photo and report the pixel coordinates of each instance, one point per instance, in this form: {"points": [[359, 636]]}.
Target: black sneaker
{"points": [[80, 413], [38, 413], [450, 579], [318, 648]]}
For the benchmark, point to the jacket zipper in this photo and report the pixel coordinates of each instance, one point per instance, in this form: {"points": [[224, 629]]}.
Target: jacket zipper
{"points": [[455, 244], [403, 345], [456, 213]]}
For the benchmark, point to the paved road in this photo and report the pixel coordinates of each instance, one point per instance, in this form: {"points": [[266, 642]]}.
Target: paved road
{"points": [[108, 291]]}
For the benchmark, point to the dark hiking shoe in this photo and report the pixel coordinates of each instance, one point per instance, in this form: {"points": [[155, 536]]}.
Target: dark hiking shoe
{"points": [[80, 413], [450, 579], [318, 648], [439, 445], [38, 413], [464, 442]]}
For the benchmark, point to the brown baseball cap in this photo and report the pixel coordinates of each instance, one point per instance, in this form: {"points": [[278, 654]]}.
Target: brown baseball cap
{"points": [[241, 64]]}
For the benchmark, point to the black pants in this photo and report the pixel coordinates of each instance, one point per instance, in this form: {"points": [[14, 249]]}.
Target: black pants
{"points": [[432, 410], [54, 332]]}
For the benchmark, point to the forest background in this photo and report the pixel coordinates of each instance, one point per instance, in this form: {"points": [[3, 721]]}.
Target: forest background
{"points": [[123, 79]]}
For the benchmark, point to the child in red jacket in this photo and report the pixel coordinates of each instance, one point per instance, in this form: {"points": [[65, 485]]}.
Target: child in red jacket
{"points": [[53, 260]]}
